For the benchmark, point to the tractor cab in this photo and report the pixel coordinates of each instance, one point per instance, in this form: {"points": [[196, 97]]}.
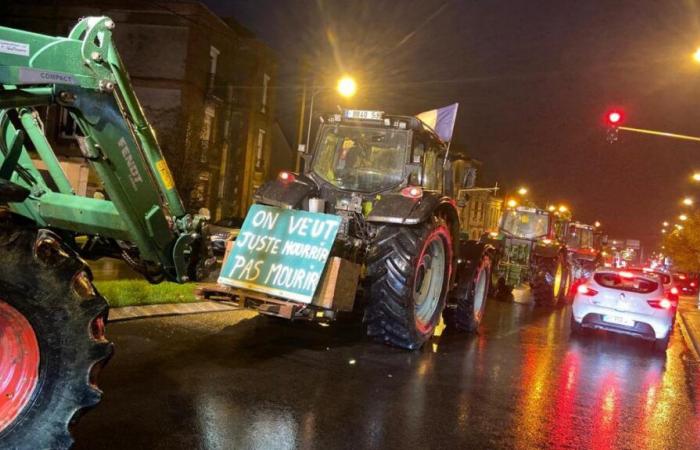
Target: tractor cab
{"points": [[368, 152]]}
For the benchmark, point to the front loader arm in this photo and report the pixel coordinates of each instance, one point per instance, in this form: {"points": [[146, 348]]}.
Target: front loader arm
{"points": [[84, 74]]}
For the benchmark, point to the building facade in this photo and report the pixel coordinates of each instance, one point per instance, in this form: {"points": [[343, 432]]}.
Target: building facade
{"points": [[205, 83]]}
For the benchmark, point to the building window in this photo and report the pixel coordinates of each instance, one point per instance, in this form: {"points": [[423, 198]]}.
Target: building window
{"points": [[207, 132], [266, 81], [259, 150], [213, 58]]}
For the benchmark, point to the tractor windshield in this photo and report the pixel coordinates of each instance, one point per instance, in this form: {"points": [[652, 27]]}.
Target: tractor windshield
{"points": [[580, 238], [525, 224], [361, 159]]}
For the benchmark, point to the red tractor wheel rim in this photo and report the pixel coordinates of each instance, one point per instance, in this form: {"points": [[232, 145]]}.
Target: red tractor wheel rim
{"points": [[19, 363]]}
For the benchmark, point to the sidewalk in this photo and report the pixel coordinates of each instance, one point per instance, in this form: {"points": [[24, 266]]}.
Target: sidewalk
{"points": [[689, 321], [173, 309]]}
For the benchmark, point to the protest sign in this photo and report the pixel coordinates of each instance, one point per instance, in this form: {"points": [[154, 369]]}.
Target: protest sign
{"points": [[281, 252]]}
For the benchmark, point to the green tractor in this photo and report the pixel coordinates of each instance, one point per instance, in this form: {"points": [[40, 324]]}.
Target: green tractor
{"points": [[52, 318], [385, 183], [530, 252]]}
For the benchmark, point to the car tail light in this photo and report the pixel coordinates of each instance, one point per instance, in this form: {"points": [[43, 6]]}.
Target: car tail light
{"points": [[585, 290], [412, 192], [286, 177], [682, 277], [664, 303], [692, 284]]}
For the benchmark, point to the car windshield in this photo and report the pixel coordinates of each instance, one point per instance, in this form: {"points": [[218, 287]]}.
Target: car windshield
{"points": [[629, 282], [361, 159], [525, 224]]}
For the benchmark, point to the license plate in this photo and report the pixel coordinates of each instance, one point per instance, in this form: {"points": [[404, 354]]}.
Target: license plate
{"points": [[617, 320]]}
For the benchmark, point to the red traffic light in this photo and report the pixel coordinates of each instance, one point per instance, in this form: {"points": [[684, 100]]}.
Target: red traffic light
{"points": [[614, 118]]}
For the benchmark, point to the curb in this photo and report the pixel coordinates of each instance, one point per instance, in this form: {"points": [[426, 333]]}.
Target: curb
{"points": [[174, 309], [692, 339]]}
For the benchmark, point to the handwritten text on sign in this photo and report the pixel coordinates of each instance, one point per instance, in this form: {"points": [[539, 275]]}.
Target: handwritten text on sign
{"points": [[281, 252]]}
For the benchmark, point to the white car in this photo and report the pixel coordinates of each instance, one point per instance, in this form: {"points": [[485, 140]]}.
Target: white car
{"points": [[625, 302]]}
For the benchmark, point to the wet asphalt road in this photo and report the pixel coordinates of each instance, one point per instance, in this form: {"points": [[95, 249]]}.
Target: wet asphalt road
{"points": [[236, 380]]}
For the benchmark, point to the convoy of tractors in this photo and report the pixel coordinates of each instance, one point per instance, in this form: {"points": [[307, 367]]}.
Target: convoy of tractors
{"points": [[370, 227]]}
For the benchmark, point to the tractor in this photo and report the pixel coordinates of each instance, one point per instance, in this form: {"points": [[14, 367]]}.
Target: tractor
{"points": [[529, 251], [382, 185], [584, 252], [52, 318]]}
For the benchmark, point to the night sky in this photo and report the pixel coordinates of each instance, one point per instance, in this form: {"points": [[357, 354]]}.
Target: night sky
{"points": [[533, 79]]}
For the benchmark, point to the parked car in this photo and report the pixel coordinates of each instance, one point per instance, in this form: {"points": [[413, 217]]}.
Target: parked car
{"points": [[226, 229], [627, 302]]}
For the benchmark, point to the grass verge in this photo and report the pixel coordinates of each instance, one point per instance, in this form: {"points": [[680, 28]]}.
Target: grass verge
{"points": [[140, 292]]}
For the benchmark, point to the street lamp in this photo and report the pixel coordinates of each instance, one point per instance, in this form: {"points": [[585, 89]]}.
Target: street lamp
{"points": [[688, 201], [696, 176], [563, 209], [696, 55], [522, 191], [597, 224], [512, 203], [665, 224], [346, 87], [683, 217]]}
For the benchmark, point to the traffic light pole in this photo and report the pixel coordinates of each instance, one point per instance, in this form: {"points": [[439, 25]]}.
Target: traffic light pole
{"points": [[660, 133]]}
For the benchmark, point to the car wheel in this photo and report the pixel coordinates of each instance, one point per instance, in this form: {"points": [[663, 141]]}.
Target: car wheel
{"points": [[662, 344]]}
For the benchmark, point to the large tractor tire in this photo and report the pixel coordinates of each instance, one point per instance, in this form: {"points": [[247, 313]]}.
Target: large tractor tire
{"points": [[466, 310], [408, 275], [52, 342], [549, 280]]}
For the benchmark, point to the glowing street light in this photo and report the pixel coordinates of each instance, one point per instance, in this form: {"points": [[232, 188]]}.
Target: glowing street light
{"points": [[522, 191], [683, 217], [688, 201], [551, 208], [512, 203], [563, 209], [696, 55], [597, 224], [665, 224], [346, 86], [663, 231], [696, 176]]}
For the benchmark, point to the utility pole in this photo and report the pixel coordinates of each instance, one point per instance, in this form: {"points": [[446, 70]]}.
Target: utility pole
{"points": [[302, 113]]}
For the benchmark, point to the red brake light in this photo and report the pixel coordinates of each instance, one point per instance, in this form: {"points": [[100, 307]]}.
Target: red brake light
{"points": [[682, 277], [664, 303], [414, 192], [585, 290], [286, 177], [692, 284]]}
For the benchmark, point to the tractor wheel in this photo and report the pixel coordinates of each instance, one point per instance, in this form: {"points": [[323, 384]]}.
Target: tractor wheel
{"points": [[408, 273], [52, 342], [549, 281], [470, 296]]}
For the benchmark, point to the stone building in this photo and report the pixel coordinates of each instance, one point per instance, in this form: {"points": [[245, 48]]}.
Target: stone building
{"points": [[205, 83]]}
